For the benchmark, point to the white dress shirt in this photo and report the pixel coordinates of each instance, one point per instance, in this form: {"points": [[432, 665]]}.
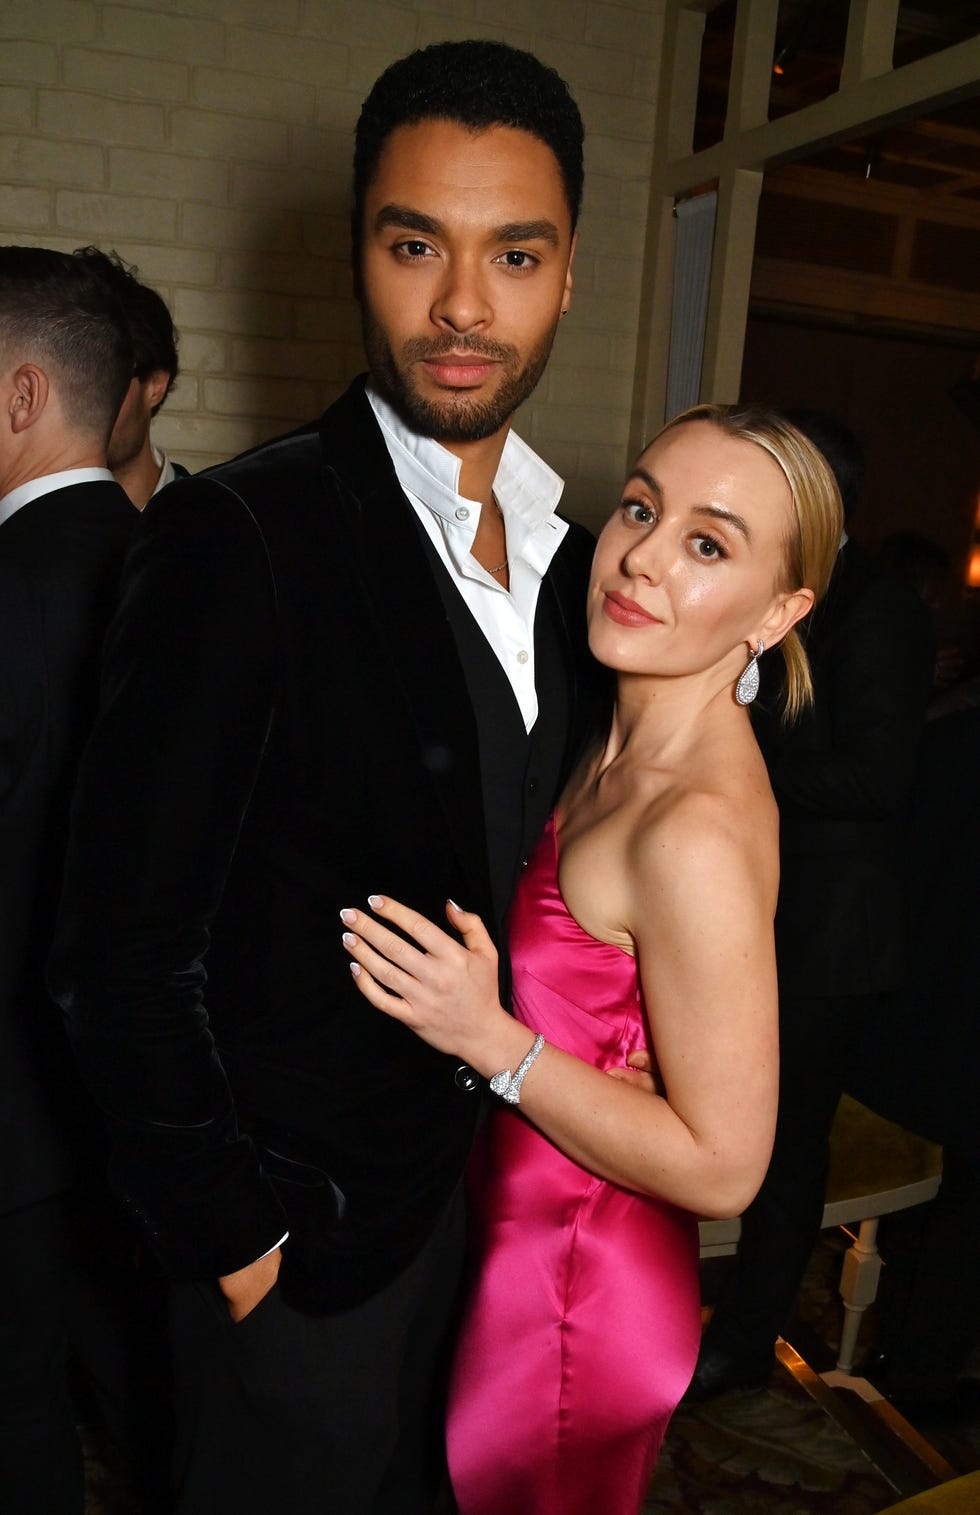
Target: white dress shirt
{"points": [[166, 468], [527, 491]]}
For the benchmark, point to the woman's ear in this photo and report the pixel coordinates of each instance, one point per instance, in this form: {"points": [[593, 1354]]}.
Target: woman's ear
{"points": [[785, 612]]}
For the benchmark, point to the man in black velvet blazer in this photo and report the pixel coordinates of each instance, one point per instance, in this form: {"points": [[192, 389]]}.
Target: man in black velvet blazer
{"points": [[841, 775], [65, 362], [351, 660]]}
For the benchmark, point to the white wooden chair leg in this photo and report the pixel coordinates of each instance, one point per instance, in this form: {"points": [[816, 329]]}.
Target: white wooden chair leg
{"points": [[858, 1287]]}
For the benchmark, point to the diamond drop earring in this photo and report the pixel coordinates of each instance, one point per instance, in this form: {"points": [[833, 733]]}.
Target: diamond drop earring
{"points": [[748, 685]]}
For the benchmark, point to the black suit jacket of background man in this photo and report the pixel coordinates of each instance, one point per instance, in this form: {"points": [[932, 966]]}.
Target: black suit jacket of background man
{"points": [[286, 727], [60, 559], [841, 775]]}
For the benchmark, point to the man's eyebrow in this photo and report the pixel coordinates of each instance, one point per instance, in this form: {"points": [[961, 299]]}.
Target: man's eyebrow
{"points": [[528, 231], [408, 219]]}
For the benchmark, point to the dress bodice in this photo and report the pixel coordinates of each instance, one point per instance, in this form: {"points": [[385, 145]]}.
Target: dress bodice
{"points": [[585, 994]]}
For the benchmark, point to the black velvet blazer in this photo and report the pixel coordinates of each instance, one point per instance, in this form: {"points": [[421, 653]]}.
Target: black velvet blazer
{"points": [[60, 558], [285, 728]]}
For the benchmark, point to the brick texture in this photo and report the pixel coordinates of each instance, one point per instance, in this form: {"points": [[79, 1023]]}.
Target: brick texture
{"points": [[208, 142]]}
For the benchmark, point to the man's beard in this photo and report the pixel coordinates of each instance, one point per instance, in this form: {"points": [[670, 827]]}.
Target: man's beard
{"points": [[459, 416]]}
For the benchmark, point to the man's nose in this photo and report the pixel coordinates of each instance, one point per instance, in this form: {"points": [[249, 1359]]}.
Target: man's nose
{"points": [[462, 302]]}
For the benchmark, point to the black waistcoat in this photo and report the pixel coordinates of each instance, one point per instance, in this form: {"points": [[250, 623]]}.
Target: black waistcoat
{"points": [[519, 770]]}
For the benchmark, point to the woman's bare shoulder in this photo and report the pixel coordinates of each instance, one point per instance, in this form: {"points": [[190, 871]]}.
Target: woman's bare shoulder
{"points": [[701, 836]]}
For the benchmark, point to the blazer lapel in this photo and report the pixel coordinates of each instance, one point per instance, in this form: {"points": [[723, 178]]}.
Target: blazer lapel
{"points": [[404, 602]]}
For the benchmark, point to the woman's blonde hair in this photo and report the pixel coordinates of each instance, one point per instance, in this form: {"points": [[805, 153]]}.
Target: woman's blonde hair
{"points": [[812, 547]]}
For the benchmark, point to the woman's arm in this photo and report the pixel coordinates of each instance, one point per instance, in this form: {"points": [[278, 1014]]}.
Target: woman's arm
{"points": [[703, 928]]}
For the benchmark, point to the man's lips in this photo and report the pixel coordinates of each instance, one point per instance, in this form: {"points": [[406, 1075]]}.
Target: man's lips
{"points": [[626, 612], [459, 371]]}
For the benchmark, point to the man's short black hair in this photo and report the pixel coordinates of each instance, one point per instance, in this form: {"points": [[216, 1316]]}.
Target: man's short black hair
{"points": [[57, 312], [150, 323], [478, 84], [839, 446]]}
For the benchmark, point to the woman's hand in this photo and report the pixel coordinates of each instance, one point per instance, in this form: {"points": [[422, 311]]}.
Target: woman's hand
{"points": [[638, 1072], [444, 991]]}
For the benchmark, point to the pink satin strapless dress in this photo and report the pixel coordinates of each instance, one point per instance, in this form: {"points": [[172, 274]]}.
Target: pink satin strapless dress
{"points": [[582, 1328]]}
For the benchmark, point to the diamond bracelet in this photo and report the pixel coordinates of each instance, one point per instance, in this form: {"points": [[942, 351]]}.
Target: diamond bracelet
{"points": [[507, 1084]]}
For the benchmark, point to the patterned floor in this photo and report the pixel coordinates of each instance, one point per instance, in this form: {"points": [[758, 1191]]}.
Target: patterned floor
{"points": [[792, 1448], [761, 1451], [797, 1447]]}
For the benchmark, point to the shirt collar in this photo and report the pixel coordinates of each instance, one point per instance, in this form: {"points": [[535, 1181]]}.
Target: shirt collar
{"points": [[165, 466], [525, 486], [47, 484]]}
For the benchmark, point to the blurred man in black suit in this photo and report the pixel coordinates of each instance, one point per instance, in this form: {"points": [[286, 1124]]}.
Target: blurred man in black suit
{"points": [[65, 362], [928, 1314]]}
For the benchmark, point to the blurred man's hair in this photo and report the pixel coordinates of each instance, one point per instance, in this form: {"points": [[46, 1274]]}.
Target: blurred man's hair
{"points": [[56, 312], [150, 323]]}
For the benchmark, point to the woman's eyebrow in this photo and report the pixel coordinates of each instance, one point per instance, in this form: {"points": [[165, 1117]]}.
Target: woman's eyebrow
{"points": [[728, 516]]}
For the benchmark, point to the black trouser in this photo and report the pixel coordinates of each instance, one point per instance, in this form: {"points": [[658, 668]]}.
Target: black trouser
{"points": [[118, 1336], [40, 1458], [781, 1225], [316, 1415], [79, 1309], [929, 1307]]}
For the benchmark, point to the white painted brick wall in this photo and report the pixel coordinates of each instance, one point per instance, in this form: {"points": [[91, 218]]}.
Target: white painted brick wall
{"points": [[209, 142]]}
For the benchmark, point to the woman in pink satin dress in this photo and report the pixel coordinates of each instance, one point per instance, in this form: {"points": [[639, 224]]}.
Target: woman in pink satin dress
{"points": [[641, 937]]}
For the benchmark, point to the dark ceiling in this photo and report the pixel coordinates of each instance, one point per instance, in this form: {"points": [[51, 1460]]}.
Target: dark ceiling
{"points": [[938, 154]]}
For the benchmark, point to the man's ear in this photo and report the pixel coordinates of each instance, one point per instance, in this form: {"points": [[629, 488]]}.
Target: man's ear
{"points": [[28, 396], [785, 612], [566, 298], [155, 387]]}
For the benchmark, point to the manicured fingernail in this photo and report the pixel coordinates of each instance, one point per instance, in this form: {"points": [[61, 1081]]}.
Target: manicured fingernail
{"points": [[375, 901], [355, 969], [348, 917], [349, 939], [454, 904]]}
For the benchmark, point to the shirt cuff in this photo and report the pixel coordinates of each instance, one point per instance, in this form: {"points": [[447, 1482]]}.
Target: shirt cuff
{"points": [[272, 1249]]}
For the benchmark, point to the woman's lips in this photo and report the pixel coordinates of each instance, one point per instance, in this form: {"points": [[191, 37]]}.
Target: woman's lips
{"points": [[627, 612]]}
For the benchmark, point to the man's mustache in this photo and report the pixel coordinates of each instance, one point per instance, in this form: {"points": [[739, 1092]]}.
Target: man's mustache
{"points": [[420, 349]]}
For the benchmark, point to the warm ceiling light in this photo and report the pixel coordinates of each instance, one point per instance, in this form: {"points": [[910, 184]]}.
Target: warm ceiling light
{"points": [[973, 571]]}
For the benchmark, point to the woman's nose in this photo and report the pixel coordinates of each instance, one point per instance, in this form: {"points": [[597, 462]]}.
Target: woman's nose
{"points": [[647, 557]]}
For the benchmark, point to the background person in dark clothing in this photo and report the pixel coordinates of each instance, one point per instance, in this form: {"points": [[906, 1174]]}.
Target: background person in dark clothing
{"points": [[142, 468], [929, 1308], [65, 362], [841, 776]]}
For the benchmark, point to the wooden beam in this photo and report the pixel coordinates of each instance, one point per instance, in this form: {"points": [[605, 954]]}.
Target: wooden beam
{"points": [[731, 279], [752, 53], [870, 47], [929, 84], [677, 97]]}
